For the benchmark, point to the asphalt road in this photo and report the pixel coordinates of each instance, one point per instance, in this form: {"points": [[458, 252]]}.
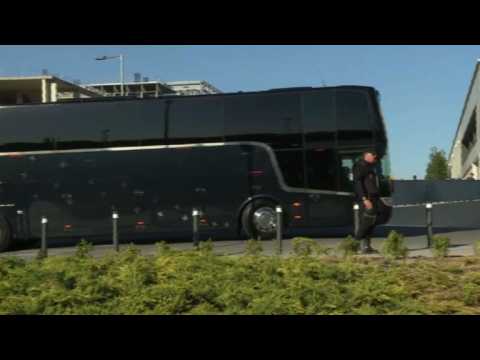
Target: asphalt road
{"points": [[415, 238]]}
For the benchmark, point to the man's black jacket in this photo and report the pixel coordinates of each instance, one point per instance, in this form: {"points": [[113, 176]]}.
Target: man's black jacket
{"points": [[365, 180]]}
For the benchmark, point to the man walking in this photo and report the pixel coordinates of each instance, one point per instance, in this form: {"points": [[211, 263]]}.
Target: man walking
{"points": [[366, 188]]}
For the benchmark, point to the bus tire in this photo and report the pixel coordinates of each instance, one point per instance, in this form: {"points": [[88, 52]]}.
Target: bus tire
{"points": [[259, 220], [5, 235]]}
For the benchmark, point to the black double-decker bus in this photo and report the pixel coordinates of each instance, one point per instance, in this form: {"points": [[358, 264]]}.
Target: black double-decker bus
{"points": [[234, 157]]}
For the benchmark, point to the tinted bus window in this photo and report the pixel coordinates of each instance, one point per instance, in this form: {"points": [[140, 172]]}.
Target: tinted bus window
{"points": [[109, 124], [354, 118], [81, 125], [273, 119], [291, 166], [151, 122], [197, 120], [22, 128], [319, 118], [322, 170]]}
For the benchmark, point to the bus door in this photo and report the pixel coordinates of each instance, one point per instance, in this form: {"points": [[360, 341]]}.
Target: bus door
{"points": [[326, 207]]}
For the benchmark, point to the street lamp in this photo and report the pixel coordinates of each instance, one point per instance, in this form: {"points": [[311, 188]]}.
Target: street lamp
{"points": [[102, 58]]}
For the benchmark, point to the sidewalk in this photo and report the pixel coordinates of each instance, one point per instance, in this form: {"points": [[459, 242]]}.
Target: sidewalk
{"points": [[461, 245]]}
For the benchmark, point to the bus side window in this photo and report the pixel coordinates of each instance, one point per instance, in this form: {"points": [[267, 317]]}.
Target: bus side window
{"points": [[346, 175], [291, 166], [273, 119], [354, 118], [196, 120], [319, 122], [321, 169]]}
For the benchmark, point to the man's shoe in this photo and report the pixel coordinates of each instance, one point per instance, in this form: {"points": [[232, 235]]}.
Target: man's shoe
{"points": [[369, 250], [366, 248]]}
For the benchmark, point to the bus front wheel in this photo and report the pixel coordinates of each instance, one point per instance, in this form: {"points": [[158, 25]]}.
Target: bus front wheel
{"points": [[259, 220], [5, 238]]}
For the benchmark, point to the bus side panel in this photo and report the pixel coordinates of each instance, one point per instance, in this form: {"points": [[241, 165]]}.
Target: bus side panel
{"points": [[158, 189], [217, 181], [312, 210], [13, 177], [174, 181], [330, 210], [68, 190], [154, 191]]}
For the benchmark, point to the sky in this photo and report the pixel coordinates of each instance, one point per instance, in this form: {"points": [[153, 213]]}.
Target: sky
{"points": [[423, 88]]}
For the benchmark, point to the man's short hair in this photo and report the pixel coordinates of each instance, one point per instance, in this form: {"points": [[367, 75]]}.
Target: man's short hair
{"points": [[373, 152]]}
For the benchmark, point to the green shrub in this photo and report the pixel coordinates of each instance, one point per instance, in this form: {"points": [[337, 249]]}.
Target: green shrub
{"points": [[130, 251], [476, 248], [253, 247], [188, 282], [206, 247], [394, 246], [440, 246], [162, 248], [41, 254], [83, 249], [306, 247], [471, 294], [348, 246], [322, 250], [303, 246]]}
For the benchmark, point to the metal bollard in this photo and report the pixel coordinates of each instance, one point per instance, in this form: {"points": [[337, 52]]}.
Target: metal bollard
{"points": [[20, 227], [116, 244], [43, 247], [356, 219], [195, 216], [429, 221], [279, 212]]}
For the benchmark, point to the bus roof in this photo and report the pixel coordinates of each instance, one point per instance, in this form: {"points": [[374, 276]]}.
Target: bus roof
{"points": [[175, 96]]}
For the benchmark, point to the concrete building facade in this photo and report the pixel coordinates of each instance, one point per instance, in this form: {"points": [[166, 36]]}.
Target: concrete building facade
{"points": [[193, 87], [39, 89], [49, 88], [464, 157], [155, 88], [138, 88]]}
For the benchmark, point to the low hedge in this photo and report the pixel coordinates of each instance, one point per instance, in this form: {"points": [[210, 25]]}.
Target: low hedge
{"points": [[199, 282]]}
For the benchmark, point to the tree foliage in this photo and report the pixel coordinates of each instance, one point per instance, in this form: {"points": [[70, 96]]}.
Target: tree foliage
{"points": [[437, 168]]}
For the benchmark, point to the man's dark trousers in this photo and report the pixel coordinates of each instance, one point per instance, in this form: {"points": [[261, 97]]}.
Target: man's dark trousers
{"points": [[369, 219]]}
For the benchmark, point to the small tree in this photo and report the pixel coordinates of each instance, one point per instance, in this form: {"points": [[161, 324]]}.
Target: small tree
{"points": [[348, 246], [394, 247], [438, 166], [440, 246]]}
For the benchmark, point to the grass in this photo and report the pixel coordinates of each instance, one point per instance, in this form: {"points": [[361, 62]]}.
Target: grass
{"points": [[198, 282]]}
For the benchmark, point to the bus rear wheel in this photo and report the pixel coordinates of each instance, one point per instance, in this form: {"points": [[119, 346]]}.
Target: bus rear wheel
{"points": [[5, 238], [259, 220]]}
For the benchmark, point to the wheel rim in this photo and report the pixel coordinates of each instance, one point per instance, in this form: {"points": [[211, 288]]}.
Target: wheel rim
{"points": [[264, 220]]}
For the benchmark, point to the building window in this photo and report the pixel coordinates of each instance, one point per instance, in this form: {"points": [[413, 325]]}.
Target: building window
{"points": [[470, 137]]}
